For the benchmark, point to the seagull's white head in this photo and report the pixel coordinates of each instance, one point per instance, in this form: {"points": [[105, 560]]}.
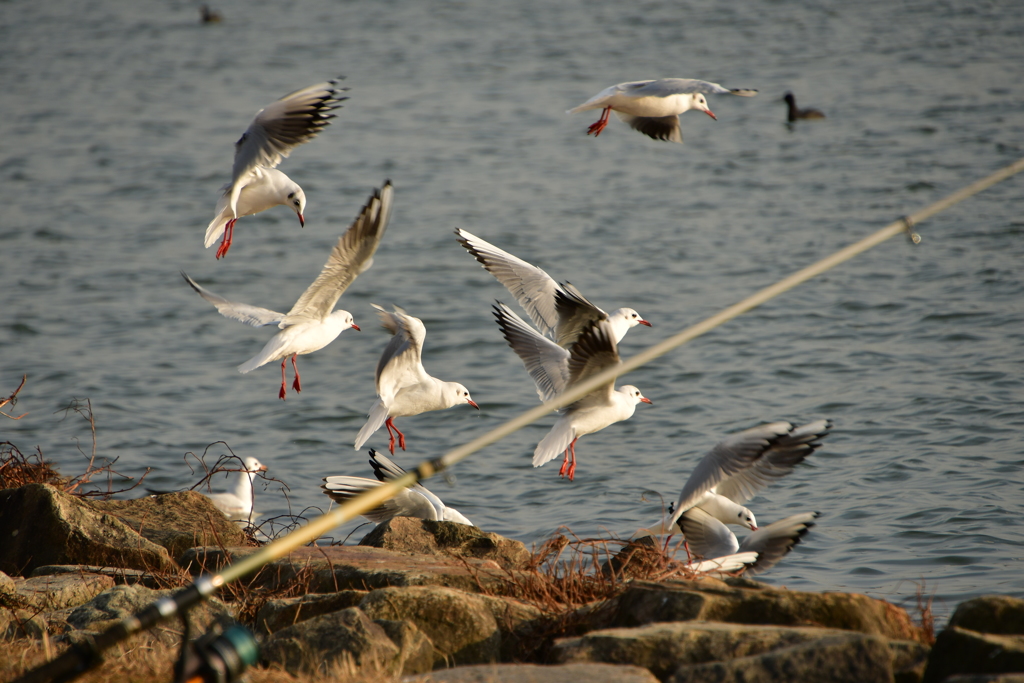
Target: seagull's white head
{"points": [[700, 103], [295, 199], [746, 518], [344, 320], [252, 465], [454, 394], [634, 394], [631, 317]]}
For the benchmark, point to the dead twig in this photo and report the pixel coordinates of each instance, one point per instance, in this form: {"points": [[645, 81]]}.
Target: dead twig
{"points": [[13, 400]]}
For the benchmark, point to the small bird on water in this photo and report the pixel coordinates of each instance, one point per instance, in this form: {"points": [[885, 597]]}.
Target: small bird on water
{"points": [[796, 112]]}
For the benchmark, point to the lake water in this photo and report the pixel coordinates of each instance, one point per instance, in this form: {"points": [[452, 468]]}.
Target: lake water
{"points": [[117, 126]]}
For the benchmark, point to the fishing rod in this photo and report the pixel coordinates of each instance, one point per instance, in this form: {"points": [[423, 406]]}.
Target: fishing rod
{"points": [[87, 654]]}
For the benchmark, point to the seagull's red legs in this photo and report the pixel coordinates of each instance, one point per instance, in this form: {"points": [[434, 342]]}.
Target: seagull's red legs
{"points": [[225, 243], [280, 394], [297, 382], [569, 468], [401, 437], [599, 125]]}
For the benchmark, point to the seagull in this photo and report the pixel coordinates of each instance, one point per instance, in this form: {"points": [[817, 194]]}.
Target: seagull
{"points": [[709, 538], [414, 501], [738, 467], [310, 325], [796, 113], [555, 369], [237, 504], [403, 387], [256, 184], [558, 310], [653, 107]]}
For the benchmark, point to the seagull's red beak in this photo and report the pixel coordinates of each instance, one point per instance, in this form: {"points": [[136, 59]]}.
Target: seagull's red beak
{"points": [[644, 399], [261, 468], [472, 403], [356, 327], [302, 221], [753, 528], [644, 322], [711, 114]]}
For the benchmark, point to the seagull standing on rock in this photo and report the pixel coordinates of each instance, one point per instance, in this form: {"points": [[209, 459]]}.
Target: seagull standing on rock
{"points": [[311, 325], [256, 184], [653, 107], [403, 387]]}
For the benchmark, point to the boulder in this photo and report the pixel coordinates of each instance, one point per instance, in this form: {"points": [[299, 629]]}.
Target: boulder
{"points": [[177, 521], [7, 588], [909, 660], [664, 647], [460, 625], [317, 644], [841, 658], [533, 673], [413, 535], [275, 615], [998, 614], [119, 602], [713, 600], [21, 623], [42, 525], [986, 678], [331, 568], [961, 651], [117, 575], [47, 593], [416, 652]]}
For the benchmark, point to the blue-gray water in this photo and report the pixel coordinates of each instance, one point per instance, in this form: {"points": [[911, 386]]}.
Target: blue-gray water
{"points": [[116, 128]]}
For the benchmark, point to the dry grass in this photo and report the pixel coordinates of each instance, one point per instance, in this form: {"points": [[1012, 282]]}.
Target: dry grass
{"points": [[925, 617]]}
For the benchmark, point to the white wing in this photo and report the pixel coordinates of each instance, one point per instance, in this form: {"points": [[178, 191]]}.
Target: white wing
{"points": [[250, 315], [284, 125], [546, 361], [400, 365], [351, 255], [707, 537], [784, 455], [666, 87], [406, 503], [773, 542]]}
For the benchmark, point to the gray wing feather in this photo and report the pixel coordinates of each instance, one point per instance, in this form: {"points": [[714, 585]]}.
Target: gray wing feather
{"points": [[593, 352], [773, 542], [707, 537], [575, 314], [287, 123], [351, 255], [546, 361], [250, 315], [785, 454], [666, 87], [532, 288], [656, 127]]}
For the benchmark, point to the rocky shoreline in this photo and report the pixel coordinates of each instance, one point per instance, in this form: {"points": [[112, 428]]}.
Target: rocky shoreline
{"points": [[437, 601]]}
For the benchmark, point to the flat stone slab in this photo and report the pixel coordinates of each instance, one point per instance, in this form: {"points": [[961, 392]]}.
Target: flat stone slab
{"points": [[54, 592], [334, 568], [534, 673], [119, 576]]}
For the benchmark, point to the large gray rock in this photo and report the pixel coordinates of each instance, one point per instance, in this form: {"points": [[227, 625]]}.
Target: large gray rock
{"points": [[118, 575], [986, 678], [662, 648], [999, 614], [533, 673], [960, 651], [331, 568], [42, 525], [713, 600], [177, 521], [416, 652], [47, 593], [116, 603], [460, 625], [275, 615], [842, 658], [317, 644], [413, 535]]}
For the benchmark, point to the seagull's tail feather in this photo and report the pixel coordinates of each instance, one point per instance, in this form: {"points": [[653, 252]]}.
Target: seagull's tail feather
{"points": [[216, 227], [554, 444], [271, 351], [378, 414]]}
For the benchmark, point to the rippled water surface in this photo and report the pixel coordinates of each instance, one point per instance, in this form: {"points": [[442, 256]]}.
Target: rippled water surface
{"points": [[117, 127]]}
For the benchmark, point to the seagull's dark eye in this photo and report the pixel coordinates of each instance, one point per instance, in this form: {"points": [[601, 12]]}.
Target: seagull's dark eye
{"points": [[291, 195]]}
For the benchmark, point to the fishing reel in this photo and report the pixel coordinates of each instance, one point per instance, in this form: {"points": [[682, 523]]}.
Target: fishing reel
{"points": [[221, 655]]}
